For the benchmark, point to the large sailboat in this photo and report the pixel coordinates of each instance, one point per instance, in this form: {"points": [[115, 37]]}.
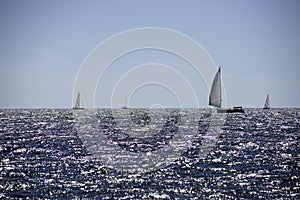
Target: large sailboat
{"points": [[215, 96], [267, 102], [77, 103]]}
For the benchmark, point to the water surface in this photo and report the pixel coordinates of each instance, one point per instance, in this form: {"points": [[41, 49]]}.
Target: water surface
{"points": [[257, 156]]}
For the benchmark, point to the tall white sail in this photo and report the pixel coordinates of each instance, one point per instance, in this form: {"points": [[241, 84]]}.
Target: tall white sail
{"points": [[267, 103], [215, 98], [77, 103]]}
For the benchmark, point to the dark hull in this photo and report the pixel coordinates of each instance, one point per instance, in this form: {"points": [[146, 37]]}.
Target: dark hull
{"points": [[231, 110]]}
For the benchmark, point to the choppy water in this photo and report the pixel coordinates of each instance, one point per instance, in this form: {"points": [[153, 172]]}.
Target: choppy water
{"points": [[257, 156]]}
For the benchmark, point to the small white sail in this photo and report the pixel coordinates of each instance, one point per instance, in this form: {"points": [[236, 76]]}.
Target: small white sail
{"points": [[77, 103], [215, 98], [125, 106], [267, 103]]}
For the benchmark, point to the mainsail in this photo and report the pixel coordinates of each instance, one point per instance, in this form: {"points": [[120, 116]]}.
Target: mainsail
{"points": [[77, 103], [215, 98], [267, 103]]}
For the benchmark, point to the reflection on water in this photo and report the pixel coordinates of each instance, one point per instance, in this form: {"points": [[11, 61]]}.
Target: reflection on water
{"points": [[255, 157]]}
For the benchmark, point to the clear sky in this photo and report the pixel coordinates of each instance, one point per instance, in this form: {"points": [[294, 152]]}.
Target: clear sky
{"points": [[43, 43]]}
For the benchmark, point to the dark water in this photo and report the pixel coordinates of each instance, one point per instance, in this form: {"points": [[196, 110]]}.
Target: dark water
{"points": [[257, 156]]}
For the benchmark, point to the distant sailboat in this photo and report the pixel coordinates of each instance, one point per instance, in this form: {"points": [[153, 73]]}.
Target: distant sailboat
{"points": [[267, 103], [215, 96], [125, 106], [77, 103]]}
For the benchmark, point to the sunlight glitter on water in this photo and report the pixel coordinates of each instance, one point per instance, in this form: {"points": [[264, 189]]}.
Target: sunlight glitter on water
{"points": [[256, 156]]}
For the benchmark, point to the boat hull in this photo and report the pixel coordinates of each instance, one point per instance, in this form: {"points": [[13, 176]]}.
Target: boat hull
{"points": [[231, 110], [78, 108]]}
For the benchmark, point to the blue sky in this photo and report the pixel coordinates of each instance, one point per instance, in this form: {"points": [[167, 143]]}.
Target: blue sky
{"points": [[43, 43]]}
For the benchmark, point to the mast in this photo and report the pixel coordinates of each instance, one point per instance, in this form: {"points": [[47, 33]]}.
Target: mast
{"points": [[125, 106], [215, 97]]}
